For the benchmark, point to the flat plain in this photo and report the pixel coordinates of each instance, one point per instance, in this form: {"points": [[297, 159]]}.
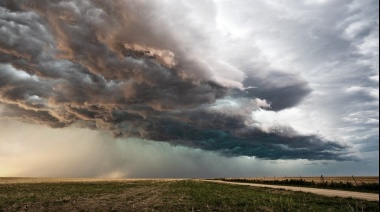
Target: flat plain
{"points": [[51, 194]]}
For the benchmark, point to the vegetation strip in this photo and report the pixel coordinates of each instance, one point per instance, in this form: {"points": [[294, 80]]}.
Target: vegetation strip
{"points": [[347, 186]]}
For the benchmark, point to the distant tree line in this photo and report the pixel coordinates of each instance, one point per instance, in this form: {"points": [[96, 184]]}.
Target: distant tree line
{"points": [[348, 186]]}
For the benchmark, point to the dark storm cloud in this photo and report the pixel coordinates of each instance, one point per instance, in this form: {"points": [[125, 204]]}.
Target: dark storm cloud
{"points": [[282, 90], [114, 65], [278, 144]]}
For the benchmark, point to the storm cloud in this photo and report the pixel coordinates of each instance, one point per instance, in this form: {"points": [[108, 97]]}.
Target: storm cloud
{"points": [[143, 69]]}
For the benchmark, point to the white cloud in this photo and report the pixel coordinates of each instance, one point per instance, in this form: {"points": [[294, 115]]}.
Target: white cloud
{"points": [[372, 92]]}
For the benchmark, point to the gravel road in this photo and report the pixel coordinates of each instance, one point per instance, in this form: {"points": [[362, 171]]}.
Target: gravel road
{"points": [[325, 192]]}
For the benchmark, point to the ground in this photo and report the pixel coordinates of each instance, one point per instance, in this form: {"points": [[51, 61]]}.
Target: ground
{"points": [[160, 195]]}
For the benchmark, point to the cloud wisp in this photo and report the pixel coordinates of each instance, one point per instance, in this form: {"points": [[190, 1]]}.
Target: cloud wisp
{"points": [[140, 69]]}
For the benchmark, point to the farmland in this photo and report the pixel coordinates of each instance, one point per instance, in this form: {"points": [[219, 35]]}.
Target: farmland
{"points": [[32, 194]]}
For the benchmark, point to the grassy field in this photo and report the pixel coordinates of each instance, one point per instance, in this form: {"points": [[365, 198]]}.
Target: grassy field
{"points": [[161, 195]]}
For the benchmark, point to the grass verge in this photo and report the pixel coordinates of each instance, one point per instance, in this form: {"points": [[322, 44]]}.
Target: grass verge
{"points": [[347, 186]]}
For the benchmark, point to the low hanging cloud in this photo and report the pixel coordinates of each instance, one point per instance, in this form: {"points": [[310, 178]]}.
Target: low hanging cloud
{"points": [[125, 67]]}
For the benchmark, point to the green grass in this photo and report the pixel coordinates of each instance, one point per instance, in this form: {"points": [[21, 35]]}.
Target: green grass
{"points": [[183, 195]]}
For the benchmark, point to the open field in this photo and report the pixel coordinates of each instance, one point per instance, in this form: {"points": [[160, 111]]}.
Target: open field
{"points": [[30, 194]]}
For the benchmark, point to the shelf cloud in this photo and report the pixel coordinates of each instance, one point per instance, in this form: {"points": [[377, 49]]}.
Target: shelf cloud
{"points": [[166, 71]]}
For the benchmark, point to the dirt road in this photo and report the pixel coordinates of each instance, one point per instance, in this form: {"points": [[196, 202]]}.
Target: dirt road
{"points": [[325, 192]]}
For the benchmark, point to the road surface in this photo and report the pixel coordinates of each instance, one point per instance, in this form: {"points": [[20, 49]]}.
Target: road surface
{"points": [[325, 192]]}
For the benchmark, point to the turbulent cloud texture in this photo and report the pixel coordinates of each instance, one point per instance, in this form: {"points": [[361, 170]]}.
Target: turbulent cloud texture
{"points": [[158, 70]]}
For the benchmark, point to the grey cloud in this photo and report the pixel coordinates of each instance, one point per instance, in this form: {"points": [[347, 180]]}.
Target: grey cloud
{"points": [[334, 44], [115, 66], [251, 142], [11, 5], [282, 90]]}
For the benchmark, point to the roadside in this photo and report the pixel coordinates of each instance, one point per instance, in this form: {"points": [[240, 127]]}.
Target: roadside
{"points": [[325, 192]]}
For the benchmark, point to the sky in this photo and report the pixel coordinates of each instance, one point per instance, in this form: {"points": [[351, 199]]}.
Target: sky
{"points": [[201, 88]]}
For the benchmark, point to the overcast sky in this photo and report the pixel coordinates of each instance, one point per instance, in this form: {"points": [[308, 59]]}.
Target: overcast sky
{"points": [[201, 88]]}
